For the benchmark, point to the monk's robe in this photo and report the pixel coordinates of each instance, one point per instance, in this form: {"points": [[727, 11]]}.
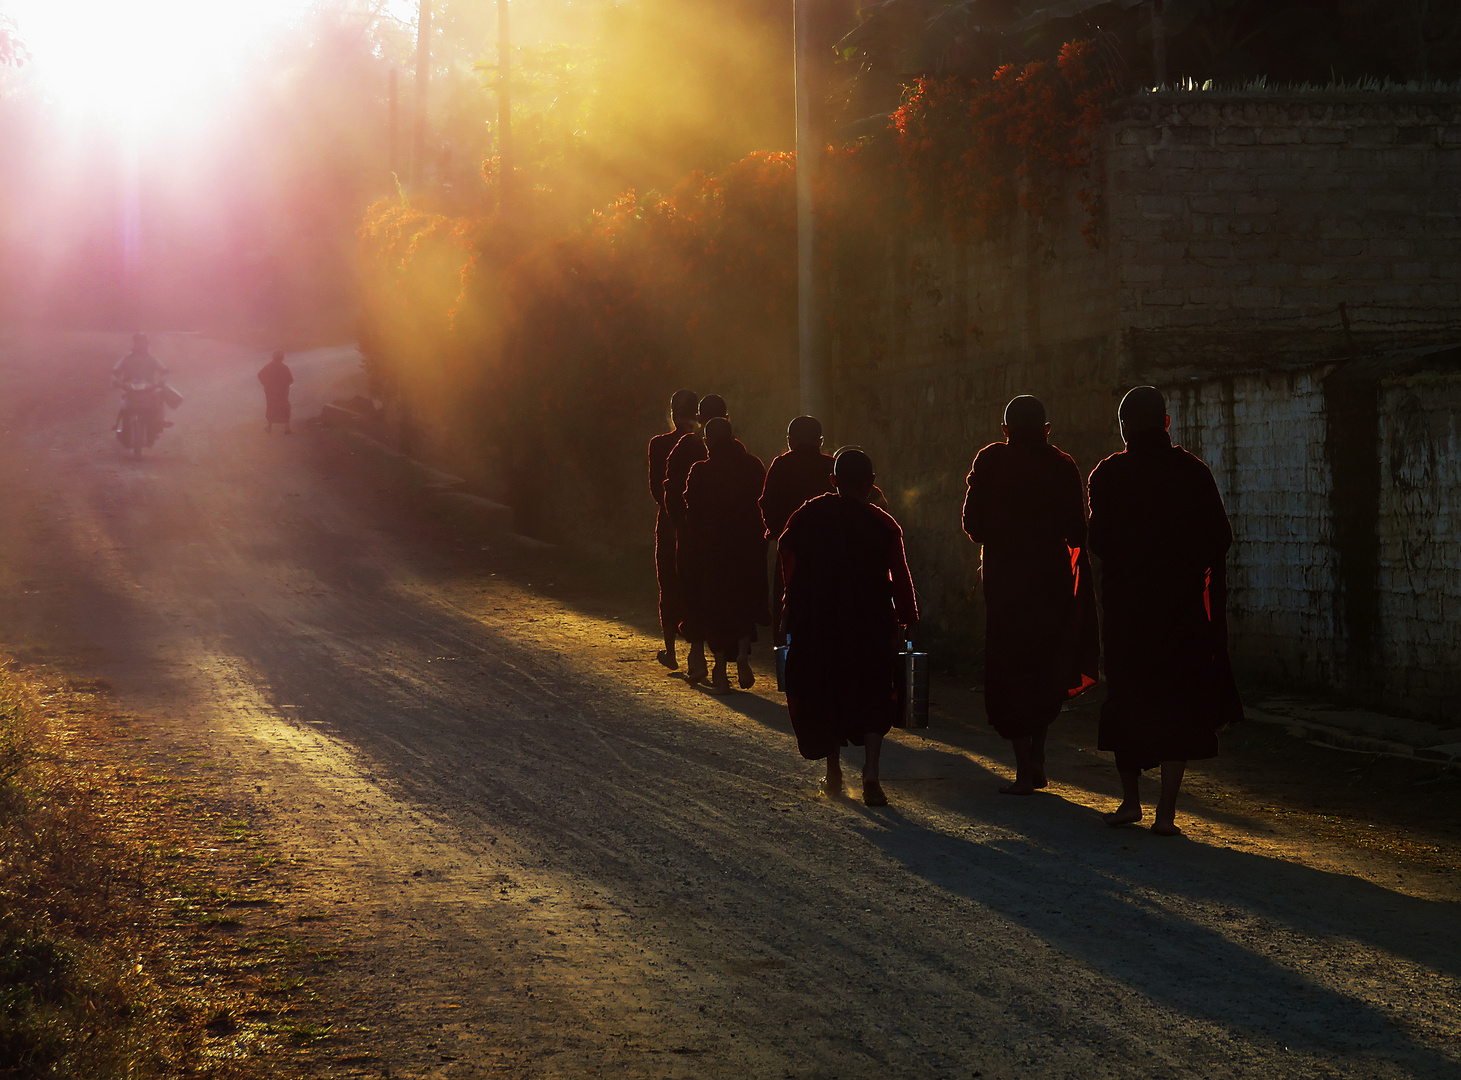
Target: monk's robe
{"points": [[671, 603], [794, 477], [846, 589], [276, 379], [1026, 506], [1159, 528], [689, 449], [722, 515]]}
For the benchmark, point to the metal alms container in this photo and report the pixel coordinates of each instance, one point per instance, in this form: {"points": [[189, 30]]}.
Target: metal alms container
{"points": [[915, 688]]}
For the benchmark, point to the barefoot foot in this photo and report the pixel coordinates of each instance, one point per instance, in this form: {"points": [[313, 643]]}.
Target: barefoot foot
{"points": [[1166, 828], [745, 677], [872, 794], [831, 786], [667, 658], [1123, 815], [1039, 780]]}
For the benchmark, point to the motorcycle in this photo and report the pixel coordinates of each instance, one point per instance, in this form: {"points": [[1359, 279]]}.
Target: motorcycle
{"points": [[141, 421]]}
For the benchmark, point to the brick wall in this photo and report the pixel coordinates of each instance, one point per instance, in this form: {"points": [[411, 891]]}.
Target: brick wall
{"points": [[1296, 621], [1249, 242], [1238, 224], [1264, 438], [1419, 571]]}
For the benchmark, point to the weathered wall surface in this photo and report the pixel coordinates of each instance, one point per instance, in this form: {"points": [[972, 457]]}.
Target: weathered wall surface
{"points": [[1264, 438], [922, 378], [1419, 565], [1238, 225], [1248, 242], [1376, 615]]}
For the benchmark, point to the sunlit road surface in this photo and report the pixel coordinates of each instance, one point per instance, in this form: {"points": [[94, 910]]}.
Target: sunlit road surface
{"points": [[557, 860]]}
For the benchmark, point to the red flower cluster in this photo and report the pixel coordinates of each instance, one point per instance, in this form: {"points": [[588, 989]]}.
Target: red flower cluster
{"points": [[970, 149]]}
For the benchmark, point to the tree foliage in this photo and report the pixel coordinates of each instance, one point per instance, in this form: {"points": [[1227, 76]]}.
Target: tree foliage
{"points": [[12, 50], [898, 42]]}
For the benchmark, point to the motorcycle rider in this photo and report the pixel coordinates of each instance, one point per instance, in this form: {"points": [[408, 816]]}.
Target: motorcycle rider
{"points": [[140, 366]]}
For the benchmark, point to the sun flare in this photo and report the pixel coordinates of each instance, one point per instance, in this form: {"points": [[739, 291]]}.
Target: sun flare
{"points": [[149, 63]]}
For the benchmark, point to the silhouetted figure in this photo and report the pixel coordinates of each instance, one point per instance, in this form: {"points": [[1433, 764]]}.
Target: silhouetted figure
{"points": [[846, 590], [1160, 531], [1026, 506], [140, 366], [277, 379], [671, 602], [689, 449], [720, 499], [802, 473]]}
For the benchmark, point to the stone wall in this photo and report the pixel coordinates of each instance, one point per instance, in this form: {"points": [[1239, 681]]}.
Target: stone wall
{"points": [[1419, 564], [1376, 614], [1249, 244], [1245, 230], [1264, 438]]}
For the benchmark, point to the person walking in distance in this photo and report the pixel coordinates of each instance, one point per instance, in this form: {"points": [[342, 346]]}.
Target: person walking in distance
{"points": [[846, 591], [277, 379], [689, 449], [1159, 528], [802, 473], [720, 499], [1026, 508], [671, 602]]}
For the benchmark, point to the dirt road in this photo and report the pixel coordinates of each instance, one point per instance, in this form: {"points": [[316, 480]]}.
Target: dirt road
{"points": [[555, 860]]}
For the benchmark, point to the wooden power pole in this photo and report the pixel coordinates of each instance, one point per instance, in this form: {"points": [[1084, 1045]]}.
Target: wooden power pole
{"points": [[423, 86]]}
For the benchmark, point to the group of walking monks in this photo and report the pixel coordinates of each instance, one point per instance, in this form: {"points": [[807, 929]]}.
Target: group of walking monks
{"points": [[843, 598]]}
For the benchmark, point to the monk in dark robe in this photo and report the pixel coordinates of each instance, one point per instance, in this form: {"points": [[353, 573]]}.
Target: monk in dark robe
{"points": [[671, 603], [1159, 528], [1027, 508], [720, 498], [277, 379], [689, 449], [846, 590], [802, 473]]}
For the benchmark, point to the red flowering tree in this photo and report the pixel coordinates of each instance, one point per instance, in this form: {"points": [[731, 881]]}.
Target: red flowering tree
{"points": [[972, 149]]}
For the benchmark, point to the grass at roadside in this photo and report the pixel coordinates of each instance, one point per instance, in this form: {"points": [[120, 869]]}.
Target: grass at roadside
{"points": [[144, 930]]}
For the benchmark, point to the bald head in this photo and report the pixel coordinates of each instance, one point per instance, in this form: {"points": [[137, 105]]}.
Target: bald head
{"points": [[804, 431], [711, 406], [682, 407], [853, 472], [718, 432], [1024, 414], [1143, 409], [278, 356]]}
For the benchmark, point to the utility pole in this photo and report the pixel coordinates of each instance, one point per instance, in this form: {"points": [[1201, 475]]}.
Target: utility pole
{"points": [[811, 361], [423, 84], [393, 135], [504, 108], [1159, 41]]}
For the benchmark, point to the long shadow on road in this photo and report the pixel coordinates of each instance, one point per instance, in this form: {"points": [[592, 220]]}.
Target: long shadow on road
{"points": [[1154, 931], [632, 791]]}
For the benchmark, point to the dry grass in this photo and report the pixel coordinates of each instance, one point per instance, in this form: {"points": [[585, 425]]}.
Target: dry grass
{"points": [[142, 931]]}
